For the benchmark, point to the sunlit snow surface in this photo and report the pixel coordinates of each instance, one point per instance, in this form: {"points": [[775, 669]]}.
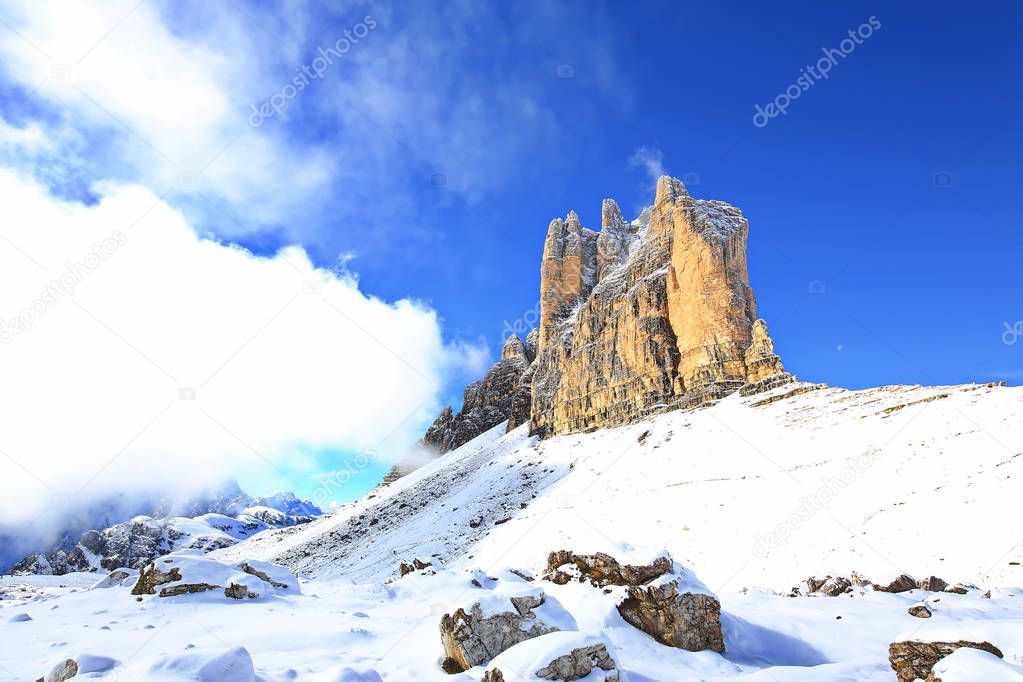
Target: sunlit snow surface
{"points": [[885, 481]]}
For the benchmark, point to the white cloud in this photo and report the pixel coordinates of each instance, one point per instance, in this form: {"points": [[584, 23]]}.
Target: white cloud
{"points": [[112, 313], [651, 161], [173, 104], [124, 99], [170, 87]]}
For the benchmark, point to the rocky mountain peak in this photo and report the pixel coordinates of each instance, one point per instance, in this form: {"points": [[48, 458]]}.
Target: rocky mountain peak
{"points": [[515, 351], [502, 395], [641, 317], [613, 240], [568, 271], [669, 191]]}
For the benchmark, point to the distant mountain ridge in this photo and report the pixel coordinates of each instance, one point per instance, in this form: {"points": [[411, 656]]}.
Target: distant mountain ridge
{"points": [[205, 523]]}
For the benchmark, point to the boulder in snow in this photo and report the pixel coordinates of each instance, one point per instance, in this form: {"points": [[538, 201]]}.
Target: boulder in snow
{"points": [[602, 569], [914, 659], [828, 586], [932, 584], [833, 587], [417, 565], [116, 578], [491, 626], [919, 610], [152, 577], [675, 616], [64, 670], [579, 663], [563, 656], [275, 575], [901, 583], [662, 598], [178, 574]]}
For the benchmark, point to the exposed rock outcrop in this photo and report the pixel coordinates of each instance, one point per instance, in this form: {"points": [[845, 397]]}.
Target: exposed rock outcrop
{"points": [[710, 303], [397, 471], [686, 620], [474, 637], [828, 586], [416, 565], [638, 318], [485, 403], [913, 660], [64, 670], [152, 577], [834, 586], [568, 271], [601, 570], [670, 320], [613, 240], [919, 611], [522, 400], [932, 584], [614, 360], [901, 583], [761, 360], [658, 598], [578, 663], [179, 574]]}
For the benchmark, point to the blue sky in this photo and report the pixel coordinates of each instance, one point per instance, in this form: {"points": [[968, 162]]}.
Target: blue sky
{"points": [[428, 160]]}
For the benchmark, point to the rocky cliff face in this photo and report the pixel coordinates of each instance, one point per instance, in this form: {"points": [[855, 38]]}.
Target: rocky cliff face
{"points": [[710, 304], [567, 273], [670, 322], [486, 403], [640, 317], [615, 357]]}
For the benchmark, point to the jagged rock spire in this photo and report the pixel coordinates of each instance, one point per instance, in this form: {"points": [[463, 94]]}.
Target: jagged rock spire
{"points": [[672, 324], [613, 240], [669, 190], [514, 351], [568, 271], [761, 360]]}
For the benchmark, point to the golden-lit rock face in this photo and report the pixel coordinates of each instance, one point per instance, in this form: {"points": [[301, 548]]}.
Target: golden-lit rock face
{"points": [[710, 303], [641, 317], [668, 322], [568, 271], [616, 358], [761, 360]]}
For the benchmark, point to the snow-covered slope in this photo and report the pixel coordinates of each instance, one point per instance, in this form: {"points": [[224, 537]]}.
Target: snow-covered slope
{"points": [[764, 490], [753, 494]]}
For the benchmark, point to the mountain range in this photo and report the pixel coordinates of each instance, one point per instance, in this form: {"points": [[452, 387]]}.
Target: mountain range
{"points": [[638, 490], [204, 522]]}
